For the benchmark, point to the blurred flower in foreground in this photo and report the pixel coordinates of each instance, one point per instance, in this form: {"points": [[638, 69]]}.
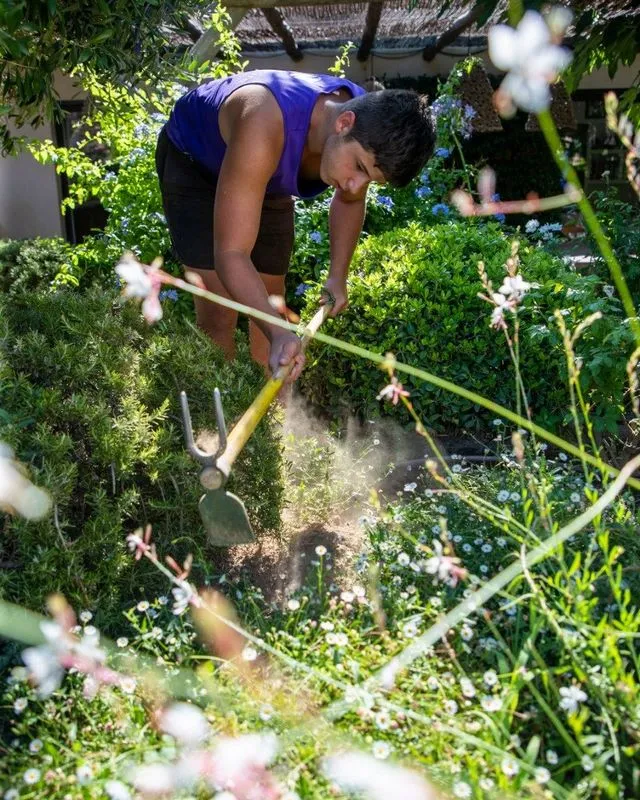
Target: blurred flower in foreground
{"points": [[143, 282], [17, 493], [532, 58], [357, 772], [393, 391], [445, 568]]}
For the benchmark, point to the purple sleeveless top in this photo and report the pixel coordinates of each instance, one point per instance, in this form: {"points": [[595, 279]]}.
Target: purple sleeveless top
{"points": [[193, 124]]}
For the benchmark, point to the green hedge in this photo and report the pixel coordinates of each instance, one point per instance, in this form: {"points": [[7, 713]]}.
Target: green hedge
{"points": [[414, 292], [30, 264], [89, 401]]}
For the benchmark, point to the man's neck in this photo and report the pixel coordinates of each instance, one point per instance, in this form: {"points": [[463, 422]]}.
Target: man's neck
{"points": [[323, 117]]}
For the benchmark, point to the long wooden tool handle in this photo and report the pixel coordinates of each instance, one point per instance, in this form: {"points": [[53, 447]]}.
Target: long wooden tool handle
{"points": [[246, 425]]}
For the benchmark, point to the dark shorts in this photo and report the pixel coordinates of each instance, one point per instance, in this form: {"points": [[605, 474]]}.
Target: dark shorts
{"points": [[188, 195]]}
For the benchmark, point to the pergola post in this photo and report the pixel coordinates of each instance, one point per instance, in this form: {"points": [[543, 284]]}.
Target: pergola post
{"points": [[374, 10]]}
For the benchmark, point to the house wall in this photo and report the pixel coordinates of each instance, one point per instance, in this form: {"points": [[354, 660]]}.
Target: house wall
{"points": [[30, 192]]}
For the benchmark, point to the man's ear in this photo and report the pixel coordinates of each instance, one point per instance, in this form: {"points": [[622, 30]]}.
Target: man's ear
{"points": [[345, 121]]}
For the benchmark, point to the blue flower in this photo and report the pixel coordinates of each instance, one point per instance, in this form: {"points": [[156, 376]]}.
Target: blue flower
{"points": [[169, 294], [495, 198], [441, 208], [301, 289], [315, 236], [385, 201], [423, 191], [443, 152], [470, 112], [424, 177], [443, 105]]}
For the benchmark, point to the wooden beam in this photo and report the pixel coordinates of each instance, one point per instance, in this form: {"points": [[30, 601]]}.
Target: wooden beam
{"points": [[450, 35], [281, 28], [374, 9], [206, 48], [248, 4]]}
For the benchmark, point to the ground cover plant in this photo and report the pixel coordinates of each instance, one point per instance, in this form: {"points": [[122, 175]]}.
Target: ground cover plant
{"points": [[482, 645], [89, 397]]}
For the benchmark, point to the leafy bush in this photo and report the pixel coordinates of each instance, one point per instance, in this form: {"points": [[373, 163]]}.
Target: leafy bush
{"points": [[30, 264], [620, 222], [414, 292], [89, 399], [113, 159]]}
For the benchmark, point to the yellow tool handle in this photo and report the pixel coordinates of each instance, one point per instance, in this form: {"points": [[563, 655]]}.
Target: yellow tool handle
{"points": [[246, 425]]}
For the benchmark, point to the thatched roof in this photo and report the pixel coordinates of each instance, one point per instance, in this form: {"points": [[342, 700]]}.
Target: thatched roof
{"points": [[330, 26], [401, 24]]}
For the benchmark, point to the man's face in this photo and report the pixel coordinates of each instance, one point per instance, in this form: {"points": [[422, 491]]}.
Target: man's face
{"points": [[346, 165]]}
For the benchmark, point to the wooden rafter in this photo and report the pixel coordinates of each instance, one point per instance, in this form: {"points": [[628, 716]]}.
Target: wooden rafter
{"points": [[249, 4], [374, 10], [281, 28], [450, 35]]}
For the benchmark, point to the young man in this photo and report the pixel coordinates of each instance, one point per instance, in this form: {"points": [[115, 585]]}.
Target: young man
{"points": [[233, 153]]}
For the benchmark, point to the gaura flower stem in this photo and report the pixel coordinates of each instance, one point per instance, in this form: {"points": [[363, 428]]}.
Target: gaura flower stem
{"points": [[416, 372], [550, 132]]}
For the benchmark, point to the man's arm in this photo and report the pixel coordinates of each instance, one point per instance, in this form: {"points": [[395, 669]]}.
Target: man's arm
{"points": [[255, 141], [346, 217]]}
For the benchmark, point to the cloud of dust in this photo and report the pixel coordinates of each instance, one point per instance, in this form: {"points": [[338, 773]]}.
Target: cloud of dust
{"points": [[366, 455]]}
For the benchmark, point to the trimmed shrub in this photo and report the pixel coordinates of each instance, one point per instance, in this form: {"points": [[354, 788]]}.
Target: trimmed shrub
{"points": [[89, 399], [31, 264], [414, 292]]}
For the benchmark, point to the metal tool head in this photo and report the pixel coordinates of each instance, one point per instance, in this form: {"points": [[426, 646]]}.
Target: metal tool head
{"points": [[223, 514], [225, 519]]}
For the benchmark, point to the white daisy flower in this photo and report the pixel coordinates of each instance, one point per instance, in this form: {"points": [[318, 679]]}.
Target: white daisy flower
{"points": [[381, 750], [510, 766], [491, 702], [31, 776], [490, 677], [542, 775]]}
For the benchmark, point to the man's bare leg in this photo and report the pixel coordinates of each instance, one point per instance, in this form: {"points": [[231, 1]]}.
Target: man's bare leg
{"points": [[220, 323], [216, 320]]}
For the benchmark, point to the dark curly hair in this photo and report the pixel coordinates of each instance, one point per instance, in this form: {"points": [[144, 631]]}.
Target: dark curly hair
{"points": [[395, 125]]}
